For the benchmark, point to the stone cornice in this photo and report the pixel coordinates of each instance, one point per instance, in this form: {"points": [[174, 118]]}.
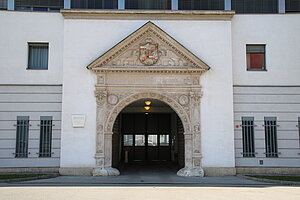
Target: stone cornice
{"points": [[149, 70], [147, 14]]}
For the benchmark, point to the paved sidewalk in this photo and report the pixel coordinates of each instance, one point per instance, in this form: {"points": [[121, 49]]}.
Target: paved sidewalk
{"points": [[144, 175], [146, 179]]}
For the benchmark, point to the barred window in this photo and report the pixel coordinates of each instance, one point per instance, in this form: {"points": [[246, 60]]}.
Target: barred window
{"points": [[292, 5], [271, 137], [255, 6], [3, 4], [248, 136], [148, 4], [94, 4], [299, 129], [39, 5], [22, 137], [45, 136], [201, 4], [38, 56]]}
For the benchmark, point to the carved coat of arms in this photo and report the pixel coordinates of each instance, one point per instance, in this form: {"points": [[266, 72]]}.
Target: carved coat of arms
{"points": [[149, 53]]}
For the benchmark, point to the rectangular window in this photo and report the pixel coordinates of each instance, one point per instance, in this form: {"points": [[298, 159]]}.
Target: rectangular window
{"points": [[128, 140], [248, 136], [44, 5], [292, 5], [148, 4], [3, 4], [255, 57], [201, 4], [152, 140], [38, 55], [164, 140], [271, 137], [139, 140], [22, 137], [45, 136], [254, 6], [94, 4]]}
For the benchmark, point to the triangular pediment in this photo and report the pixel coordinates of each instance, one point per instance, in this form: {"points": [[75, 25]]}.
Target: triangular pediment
{"points": [[168, 54]]}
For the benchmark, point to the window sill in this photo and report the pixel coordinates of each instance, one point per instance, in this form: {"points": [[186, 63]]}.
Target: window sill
{"points": [[36, 69], [257, 70]]}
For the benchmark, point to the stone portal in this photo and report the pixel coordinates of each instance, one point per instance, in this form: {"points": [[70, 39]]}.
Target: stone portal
{"points": [[148, 64]]}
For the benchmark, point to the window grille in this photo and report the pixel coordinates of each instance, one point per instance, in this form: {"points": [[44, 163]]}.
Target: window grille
{"points": [[148, 4], [22, 137], [45, 136], [256, 57], [39, 5], [38, 56], [271, 137], [201, 4], [248, 136], [299, 129], [3, 4], [95, 4], [255, 6], [292, 5]]}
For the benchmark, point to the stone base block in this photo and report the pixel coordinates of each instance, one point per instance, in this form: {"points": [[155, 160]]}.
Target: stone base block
{"points": [[199, 172], [106, 172], [29, 170], [269, 170], [75, 171], [220, 171]]}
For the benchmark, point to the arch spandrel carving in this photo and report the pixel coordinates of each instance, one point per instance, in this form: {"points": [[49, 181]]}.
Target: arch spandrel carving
{"points": [[183, 115]]}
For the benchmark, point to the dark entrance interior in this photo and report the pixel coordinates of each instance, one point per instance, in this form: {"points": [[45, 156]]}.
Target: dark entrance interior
{"points": [[146, 139]]}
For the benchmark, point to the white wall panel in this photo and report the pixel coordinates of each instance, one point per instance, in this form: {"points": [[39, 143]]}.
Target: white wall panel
{"points": [[260, 102]]}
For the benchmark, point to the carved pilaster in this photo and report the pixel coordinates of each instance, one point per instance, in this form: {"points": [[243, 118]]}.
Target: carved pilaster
{"points": [[196, 98], [104, 161]]}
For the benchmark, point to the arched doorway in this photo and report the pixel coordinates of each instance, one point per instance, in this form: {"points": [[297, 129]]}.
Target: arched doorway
{"points": [[148, 135], [170, 74]]}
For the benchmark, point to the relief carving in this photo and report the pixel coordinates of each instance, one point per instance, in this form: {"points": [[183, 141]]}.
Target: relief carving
{"points": [[112, 99], [100, 79], [183, 100], [100, 96], [196, 98]]}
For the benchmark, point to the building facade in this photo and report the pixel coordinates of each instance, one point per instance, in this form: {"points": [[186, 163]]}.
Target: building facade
{"points": [[222, 78]]}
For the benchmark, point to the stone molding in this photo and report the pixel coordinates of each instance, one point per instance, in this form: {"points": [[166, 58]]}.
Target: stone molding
{"points": [[147, 14]]}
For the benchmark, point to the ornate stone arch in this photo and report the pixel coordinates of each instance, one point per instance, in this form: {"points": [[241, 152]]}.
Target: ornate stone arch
{"points": [[167, 71], [180, 111]]}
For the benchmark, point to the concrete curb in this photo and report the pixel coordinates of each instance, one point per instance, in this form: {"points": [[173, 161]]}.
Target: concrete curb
{"points": [[46, 176], [268, 180]]}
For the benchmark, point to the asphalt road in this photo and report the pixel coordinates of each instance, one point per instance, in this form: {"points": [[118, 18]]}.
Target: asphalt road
{"points": [[149, 192]]}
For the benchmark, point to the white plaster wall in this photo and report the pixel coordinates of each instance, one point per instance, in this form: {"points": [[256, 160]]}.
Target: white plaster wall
{"points": [[280, 33], [85, 40], [19, 28]]}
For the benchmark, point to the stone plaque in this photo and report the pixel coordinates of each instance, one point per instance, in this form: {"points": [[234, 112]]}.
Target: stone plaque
{"points": [[78, 121]]}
